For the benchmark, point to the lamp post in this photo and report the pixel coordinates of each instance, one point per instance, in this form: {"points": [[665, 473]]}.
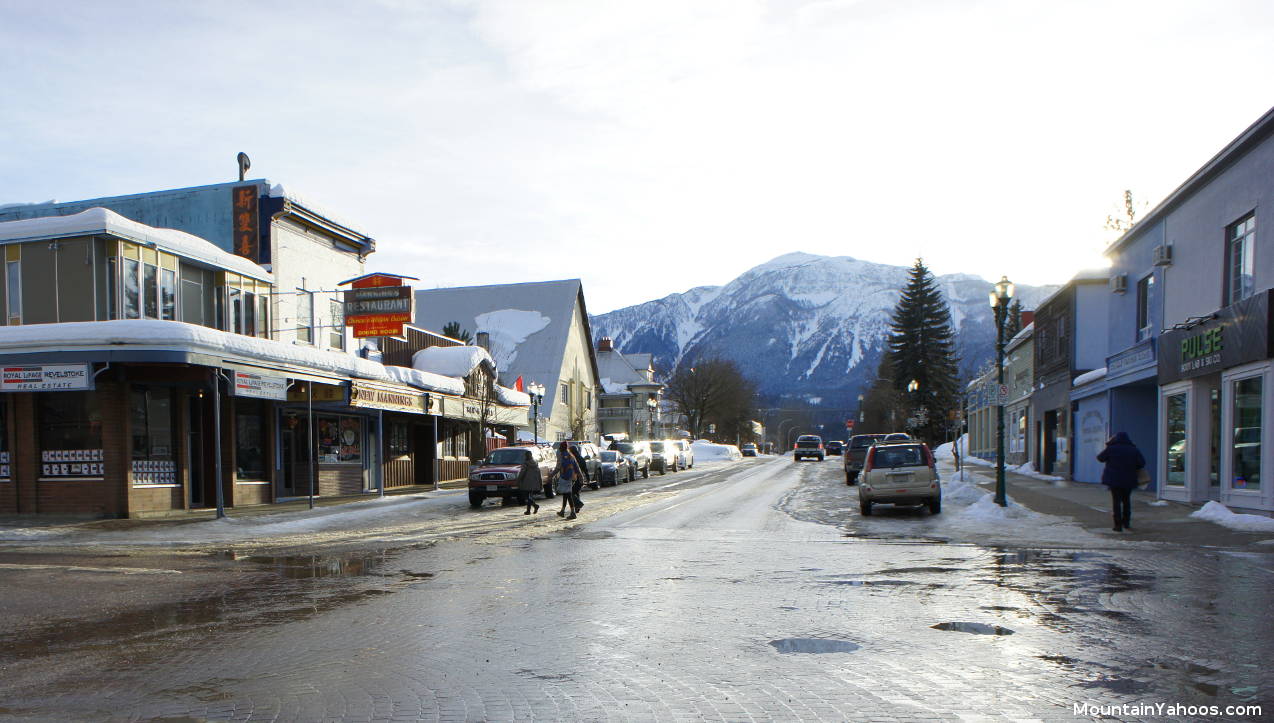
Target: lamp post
{"points": [[1001, 297], [537, 396]]}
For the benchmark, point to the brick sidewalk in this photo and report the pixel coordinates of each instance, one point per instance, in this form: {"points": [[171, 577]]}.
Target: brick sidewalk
{"points": [[1089, 505]]}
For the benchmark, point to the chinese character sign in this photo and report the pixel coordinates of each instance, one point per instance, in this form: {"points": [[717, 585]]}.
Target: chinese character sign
{"points": [[247, 234]]}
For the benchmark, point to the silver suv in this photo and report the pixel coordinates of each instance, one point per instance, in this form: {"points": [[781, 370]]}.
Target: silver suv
{"points": [[900, 473]]}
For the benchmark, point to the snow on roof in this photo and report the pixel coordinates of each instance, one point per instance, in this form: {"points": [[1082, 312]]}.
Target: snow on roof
{"points": [[512, 397], [616, 372], [176, 335], [1089, 377], [101, 220], [450, 361], [529, 324], [1027, 332]]}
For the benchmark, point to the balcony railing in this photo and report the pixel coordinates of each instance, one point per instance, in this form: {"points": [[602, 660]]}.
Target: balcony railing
{"points": [[615, 413]]}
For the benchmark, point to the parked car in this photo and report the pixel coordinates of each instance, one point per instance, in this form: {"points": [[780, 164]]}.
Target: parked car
{"points": [[856, 453], [748, 450], [592, 462], [902, 474], [497, 474], [664, 456], [639, 453], [615, 468], [687, 459], [808, 445], [835, 447]]}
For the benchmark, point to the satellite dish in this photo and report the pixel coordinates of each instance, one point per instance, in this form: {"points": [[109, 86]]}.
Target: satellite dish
{"points": [[244, 164]]}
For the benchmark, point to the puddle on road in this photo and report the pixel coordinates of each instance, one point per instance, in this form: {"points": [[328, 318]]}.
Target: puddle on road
{"points": [[578, 534], [813, 645], [975, 628], [915, 570]]}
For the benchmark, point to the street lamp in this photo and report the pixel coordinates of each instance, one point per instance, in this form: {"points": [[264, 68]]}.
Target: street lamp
{"points": [[1001, 296], [537, 397], [914, 386]]}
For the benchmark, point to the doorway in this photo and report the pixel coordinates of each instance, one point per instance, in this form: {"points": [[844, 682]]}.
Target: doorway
{"points": [[297, 456], [424, 451], [199, 450], [1050, 442]]}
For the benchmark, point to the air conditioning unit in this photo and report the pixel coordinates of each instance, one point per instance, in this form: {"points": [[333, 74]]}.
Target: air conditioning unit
{"points": [[1119, 283], [1163, 255]]}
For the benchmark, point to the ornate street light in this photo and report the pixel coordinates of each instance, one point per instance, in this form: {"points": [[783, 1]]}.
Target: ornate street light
{"points": [[1001, 297], [537, 397]]}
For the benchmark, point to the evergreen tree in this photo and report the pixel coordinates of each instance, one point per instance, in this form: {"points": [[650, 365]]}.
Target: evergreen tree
{"points": [[922, 349], [453, 330], [1013, 324]]}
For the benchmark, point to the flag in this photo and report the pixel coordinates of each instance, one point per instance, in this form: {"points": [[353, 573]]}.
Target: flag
{"points": [[517, 384]]}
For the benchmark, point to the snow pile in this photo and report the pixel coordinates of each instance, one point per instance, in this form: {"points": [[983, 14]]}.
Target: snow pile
{"points": [[1027, 469], [944, 452], [706, 451], [450, 361], [101, 220], [613, 387], [426, 380], [1089, 377], [1221, 515], [507, 328], [512, 397]]}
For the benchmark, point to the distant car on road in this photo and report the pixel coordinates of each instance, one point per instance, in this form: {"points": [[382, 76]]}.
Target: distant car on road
{"points": [[592, 465], [808, 445], [664, 456], [687, 459], [902, 474], [835, 447], [856, 453], [748, 450], [615, 468]]}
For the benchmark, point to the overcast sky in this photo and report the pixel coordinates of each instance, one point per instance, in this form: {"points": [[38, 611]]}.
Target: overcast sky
{"points": [[645, 146]]}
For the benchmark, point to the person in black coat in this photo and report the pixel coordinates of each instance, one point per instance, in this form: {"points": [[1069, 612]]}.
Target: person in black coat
{"points": [[1123, 460]]}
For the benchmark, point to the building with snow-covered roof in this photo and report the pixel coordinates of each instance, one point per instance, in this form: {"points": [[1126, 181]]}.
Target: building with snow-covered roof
{"points": [[981, 395], [629, 400], [538, 332]]}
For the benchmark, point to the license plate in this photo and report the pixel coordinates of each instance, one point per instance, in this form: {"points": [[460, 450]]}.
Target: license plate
{"points": [[492, 488]]}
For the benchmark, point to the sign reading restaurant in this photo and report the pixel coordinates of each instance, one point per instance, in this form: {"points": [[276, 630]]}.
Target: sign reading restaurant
{"points": [[46, 378], [378, 304]]}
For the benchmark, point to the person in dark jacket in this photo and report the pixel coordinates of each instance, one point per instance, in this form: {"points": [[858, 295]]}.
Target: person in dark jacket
{"points": [[1122, 459], [529, 482]]}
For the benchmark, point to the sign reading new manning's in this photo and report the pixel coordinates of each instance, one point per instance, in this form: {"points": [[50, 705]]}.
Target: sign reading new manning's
{"points": [[46, 378], [372, 396]]}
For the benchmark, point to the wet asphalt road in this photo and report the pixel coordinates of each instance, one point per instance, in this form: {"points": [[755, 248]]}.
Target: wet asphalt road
{"points": [[742, 592]]}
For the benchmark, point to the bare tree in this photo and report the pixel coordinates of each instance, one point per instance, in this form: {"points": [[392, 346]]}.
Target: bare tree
{"points": [[1121, 221], [713, 392]]}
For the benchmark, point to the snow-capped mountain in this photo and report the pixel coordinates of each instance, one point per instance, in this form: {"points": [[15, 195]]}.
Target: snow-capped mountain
{"points": [[801, 326]]}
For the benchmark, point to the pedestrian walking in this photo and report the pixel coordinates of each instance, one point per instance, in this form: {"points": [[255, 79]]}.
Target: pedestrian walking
{"points": [[1124, 463], [569, 474], [529, 482]]}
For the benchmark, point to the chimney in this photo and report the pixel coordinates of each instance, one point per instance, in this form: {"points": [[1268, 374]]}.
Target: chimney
{"points": [[605, 344], [1027, 317], [484, 340]]}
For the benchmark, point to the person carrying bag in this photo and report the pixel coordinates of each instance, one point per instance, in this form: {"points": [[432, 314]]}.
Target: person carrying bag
{"points": [[1125, 467]]}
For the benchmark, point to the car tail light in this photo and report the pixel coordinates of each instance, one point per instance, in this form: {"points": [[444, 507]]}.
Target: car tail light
{"points": [[929, 456], [867, 462], [794, 445]]}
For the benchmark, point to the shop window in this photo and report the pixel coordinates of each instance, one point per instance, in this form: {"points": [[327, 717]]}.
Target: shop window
{"points": [[69, 426], [1246, 453], [340, 440], [1145, 287], [132, 290], [4, 441], [249, 439], [1178, 451], [1214, 471], [337, 332], [1240, 259], [152, 415], [399, 439]]}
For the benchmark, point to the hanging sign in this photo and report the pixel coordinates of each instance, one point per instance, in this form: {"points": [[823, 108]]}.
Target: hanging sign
{"points": [[260, 386], [46, 378], [244, 219], [371, 396]]}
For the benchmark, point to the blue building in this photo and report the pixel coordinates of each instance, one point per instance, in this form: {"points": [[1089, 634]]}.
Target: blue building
{"points": [[1192, 312]]}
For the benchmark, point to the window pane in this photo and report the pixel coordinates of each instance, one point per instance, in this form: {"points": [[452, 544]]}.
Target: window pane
{"points": [[112, 287], [1246, 470], [236, 311], [1214, 471], [249, 313], [304, 313], [263, 315], [337, 340], [132, 290], [13, 278], [1177, 449], [168, 294], [151, 289], [70, 430], [250, 439], [4, 442], [340, 440]]}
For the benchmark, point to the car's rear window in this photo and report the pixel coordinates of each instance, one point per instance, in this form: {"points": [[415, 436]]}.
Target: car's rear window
{"points": [[909, 455], [609, 456], [861, 442]]}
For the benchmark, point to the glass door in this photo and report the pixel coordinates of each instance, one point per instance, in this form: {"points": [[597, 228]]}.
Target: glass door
{"points": [[1177, 449]]}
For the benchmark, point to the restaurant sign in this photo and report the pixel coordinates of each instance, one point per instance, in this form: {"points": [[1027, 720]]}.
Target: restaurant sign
{"points": [[46, 378], [1234, 335], [371, 396], [260, 386], [245, 220]]}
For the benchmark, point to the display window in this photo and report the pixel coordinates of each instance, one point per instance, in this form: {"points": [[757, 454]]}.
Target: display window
{"points": [[152, 422], [340, 439], [4, 441], [399, 439], [70, 434], [250, 439], [1176, 413], [1245, 433]]}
